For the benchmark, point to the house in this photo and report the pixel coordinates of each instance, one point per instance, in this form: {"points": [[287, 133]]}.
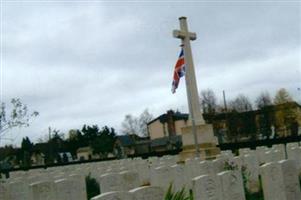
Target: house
{"points": [[129, 145], [37, 158], [166, 143], [167, 124], [84, 153], [270, 121], [124, 145]]}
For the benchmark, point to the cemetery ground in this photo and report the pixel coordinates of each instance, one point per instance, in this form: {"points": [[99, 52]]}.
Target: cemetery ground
{"points": [[265, 173]]}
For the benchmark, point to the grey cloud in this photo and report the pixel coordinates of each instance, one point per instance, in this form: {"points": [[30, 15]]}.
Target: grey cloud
{"points": [[82, 63]]}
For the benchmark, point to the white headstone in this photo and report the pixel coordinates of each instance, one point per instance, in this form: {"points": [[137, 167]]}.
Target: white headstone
{"points": [[79, 184], [130, 180], [18, 190], [251, 170], [115, 196], [294, 153], [148, 193], [232, 185], [110, 182], [272, 182], [42, 190], [205, 187], [144, 173], [162, 177], [179, 178], [290, 179], [219, 165], [4, 194], [206, 168]]}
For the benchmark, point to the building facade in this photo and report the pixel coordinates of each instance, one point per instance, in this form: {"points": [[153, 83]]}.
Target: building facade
{"points": [[167, 125]]}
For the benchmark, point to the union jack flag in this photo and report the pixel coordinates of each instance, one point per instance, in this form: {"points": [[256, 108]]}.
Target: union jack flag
{"points": [[178, 72]]}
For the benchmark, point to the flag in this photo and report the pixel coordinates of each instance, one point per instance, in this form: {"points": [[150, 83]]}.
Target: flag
{"points": [[178, 72]]}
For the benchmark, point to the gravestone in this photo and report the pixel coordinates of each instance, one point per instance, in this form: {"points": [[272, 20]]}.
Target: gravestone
{"points": [[68, 189], [110, 182], [64, 190], [44, 190], [237, 160], [232, 185], [205, 187], [192, 167], [272, 181], [144, 173], [251, 170], [130, 180], [79, 184], [206, 168], [219, 165], [179, 178], [4, 192], [148, 193], [18, 190], [294, 153], [290, 179], [120, 195], [162, 177]]}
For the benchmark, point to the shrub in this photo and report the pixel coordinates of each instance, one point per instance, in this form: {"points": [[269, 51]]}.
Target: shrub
{"points": [[178, 195], [92, 187]]}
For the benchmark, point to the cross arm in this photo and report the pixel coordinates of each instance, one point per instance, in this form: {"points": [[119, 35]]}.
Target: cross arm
{"points": [[182, 34]]}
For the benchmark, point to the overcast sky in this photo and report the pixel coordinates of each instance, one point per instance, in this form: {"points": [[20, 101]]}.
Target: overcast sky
{"points": [[94, 62]]}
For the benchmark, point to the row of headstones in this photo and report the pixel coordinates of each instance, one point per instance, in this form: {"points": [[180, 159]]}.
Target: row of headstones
{"points": [[141, 193], [146, 170], [26, 184], [93, 168], [279, 180], [276, 153], [73, 187]]}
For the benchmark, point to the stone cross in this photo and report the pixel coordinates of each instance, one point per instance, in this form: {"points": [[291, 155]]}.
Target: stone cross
{"points": [[191, 85], [195, 115]]}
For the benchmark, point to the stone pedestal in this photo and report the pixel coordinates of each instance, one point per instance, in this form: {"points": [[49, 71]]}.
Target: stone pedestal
{"points": [[206, 139]]}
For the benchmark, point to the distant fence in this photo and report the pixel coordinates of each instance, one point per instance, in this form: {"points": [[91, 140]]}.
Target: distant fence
{"points": [[255, 143], [144, 156], [223, 146]]}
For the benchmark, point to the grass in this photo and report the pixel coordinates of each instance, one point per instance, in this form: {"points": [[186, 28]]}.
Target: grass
{"points": [[178, 195]]}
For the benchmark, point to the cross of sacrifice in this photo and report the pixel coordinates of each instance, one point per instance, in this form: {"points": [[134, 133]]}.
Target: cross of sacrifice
{"points": [[195, 115]]}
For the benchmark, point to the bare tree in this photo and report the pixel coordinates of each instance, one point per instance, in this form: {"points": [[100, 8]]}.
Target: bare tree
{"points": [[130, 125], [136, 125], [208, 101], [282, 96], [263, 100], [241, 104], [19, 116], [144, 118]]}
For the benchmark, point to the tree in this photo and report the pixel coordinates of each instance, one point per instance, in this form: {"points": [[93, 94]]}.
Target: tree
{"points": [[263, 100], [104, 142], [136, 125], [90, 133], [75, 141], [241, 104], [26, 144], [130, 125], [282, 96], [19, 116], [208, 101], [26, 147], [144, 118], [285, 114]]}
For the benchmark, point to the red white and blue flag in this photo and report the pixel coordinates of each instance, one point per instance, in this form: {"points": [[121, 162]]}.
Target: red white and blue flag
{"points": [[178, 72]]}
